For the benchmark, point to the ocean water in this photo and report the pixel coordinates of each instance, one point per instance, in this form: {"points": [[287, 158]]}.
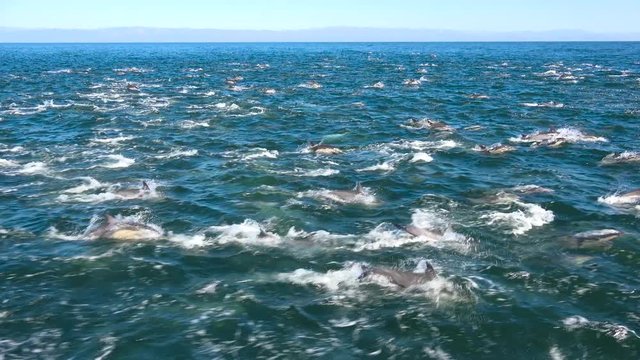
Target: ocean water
{"points": [[250, 253]]}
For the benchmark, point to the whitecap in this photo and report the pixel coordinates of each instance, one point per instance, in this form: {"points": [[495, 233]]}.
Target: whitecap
{"points": [[113, 141], [523, 219], [34, 168], [190, 124], [261, 153], [421, 157], [89, 183], [386, 166], [8, 163], [120, 162], [249, 232], [332, 280], [177, 154], [189, 241]]}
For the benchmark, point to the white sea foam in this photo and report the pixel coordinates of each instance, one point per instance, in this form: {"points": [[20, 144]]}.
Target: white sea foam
{"points": [[112, 192], [349, 279], [88, 183], [332, 280], [616, 331], [120, 162], [249, 232], [523, 219], [312, 172], [570, 135], [550, 104], [386, 166], [34, 168], [189, 241], [113, 141], [177, 154], [377, 85], [421, 157], [310, 85], [618, 199], [439, 234], [8, 163], [412, 82], [190, 124], [261, 153]]}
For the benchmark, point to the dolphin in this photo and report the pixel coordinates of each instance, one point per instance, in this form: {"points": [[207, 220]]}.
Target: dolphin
{"points": [[495, 149], [134, 193], [418, 231], [320, 148], [429, 124], [624, 157], [631, 196], [400, 278], [347, 196], [593, 239], [115, 229], [133, 87]]}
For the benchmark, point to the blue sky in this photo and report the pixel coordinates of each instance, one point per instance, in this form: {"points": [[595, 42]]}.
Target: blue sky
{"points": [[481, 15]]}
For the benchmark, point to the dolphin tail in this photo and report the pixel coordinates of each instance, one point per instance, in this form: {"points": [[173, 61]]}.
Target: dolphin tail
{"points": [[145, 186]]}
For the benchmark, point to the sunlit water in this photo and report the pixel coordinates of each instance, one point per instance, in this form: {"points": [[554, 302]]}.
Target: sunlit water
{"points": [[256, 257]]}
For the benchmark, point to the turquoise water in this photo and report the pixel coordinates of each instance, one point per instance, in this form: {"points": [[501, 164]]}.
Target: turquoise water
{"points": [[253, 256]]}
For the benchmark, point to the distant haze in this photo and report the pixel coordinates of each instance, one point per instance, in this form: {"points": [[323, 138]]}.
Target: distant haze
{"points": [[332, 34]]}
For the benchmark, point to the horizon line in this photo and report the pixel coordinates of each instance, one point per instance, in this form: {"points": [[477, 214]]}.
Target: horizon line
{"points": [[337, 34]]}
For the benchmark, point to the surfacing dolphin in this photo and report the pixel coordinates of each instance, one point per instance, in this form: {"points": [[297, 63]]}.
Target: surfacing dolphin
{"points": [[400, 278], [594, 239], [357, 195], [418, 231], [621, 158], [320, 148], [495, 149], [134, 193], [117, 229]]}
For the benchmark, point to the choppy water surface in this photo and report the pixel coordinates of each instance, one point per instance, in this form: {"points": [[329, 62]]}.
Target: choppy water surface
{"points": [[251, 253]]}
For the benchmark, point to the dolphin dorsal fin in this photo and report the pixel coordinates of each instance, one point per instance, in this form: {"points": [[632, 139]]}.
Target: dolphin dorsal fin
{"points": [[429, 270], [359, 188], [145, 186]]}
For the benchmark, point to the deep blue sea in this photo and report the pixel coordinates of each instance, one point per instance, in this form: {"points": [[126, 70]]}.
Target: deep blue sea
{"points": [[249, 243]]}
